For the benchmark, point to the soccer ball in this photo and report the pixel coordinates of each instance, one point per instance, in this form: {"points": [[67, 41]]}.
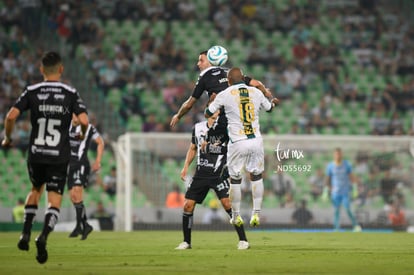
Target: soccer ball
{"points": [[217, 55]]}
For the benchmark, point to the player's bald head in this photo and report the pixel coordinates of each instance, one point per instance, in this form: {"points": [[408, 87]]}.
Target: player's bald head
{"points": [[235, 75]]}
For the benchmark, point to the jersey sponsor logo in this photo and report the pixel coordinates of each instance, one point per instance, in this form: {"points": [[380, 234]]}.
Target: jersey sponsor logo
{"points": [[42, 96], [223, 80], [51, 89], [48, 152], [59, 97], [205, 163]]}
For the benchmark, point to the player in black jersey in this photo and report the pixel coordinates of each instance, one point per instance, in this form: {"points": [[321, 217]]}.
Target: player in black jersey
{"points": [[212, 80], [51, 104], [79, 169], [211, 173]]}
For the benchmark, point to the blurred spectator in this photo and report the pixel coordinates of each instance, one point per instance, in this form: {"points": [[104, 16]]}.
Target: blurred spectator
{"points": [[364, 55], [154, 10], [255, 54], [405, 64], [293, 77], [322, 116], [317, 182], [302, 216], [379, 123], [23, 133], [175, 198], [10, 14], [103, 216], [270, 55], [300, 52], [349, 91], [212, 215], [377, 100], [109, 182], [283, 186], [326, 64], [388, 187], [271, 77], [305, 117], [396, 125], [108, 76], [396, 216], [283, 90], [18, 211], [222, 17], [187, 10], [150, 124]]}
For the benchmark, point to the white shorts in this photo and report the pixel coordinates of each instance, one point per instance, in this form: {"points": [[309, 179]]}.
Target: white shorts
{"points": [[247, 154]]}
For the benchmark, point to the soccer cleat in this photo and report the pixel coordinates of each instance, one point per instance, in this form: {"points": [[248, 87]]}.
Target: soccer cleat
{"points": [[87, 229], [255, 220], [183, 245], [243, 245], [41, 256], [23, 243], [357, 228], [237, 221], [76, 232]]}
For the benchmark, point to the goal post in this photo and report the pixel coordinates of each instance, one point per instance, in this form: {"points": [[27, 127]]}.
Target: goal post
{"points": [[149, 164]]}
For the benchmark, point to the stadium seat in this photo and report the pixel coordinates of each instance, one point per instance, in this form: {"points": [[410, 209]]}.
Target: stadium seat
{"points": [[134, 124], [114, 98]]}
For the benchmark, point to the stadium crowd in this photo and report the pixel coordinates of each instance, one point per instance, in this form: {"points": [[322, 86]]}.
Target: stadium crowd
{"points": [[370, 40]]}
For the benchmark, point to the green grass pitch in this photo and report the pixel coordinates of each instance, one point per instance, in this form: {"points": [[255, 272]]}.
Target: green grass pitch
{"points": [[152, 252]]}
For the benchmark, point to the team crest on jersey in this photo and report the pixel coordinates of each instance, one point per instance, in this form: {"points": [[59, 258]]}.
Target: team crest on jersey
{"points": [[59, 97], [43, 96]]}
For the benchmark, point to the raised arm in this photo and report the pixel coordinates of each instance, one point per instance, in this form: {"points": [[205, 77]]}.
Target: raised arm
{"points": [[185, 107]]}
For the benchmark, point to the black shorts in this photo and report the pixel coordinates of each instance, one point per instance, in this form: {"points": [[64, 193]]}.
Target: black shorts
{"points": [[53, 175], [78, 175], [199, 188]]}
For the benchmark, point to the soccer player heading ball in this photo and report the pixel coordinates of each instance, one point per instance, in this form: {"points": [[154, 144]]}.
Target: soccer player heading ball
{"points": [[212, 80]]}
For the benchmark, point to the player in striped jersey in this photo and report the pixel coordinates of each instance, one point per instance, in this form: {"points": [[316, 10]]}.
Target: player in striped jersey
{"points": [[210, 173], [79, 169], [241, 105]]}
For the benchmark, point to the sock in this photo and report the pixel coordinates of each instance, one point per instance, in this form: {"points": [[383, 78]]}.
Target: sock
{"points": [[51, 218], [336, 219], [187, 224], [29, 214], [235, 198], [80, 212], [351, 216], [239, 229], [257, 194]]}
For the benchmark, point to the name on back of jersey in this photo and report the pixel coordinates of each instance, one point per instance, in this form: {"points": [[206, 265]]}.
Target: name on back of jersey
{"points": [[51, 108]]}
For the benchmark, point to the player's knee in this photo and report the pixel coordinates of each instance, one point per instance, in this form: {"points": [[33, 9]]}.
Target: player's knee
{"points": [[189, 206], [255, 177]]}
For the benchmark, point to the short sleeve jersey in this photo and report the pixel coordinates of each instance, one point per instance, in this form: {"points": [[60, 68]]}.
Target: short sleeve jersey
{"points": [[213, 80], [242, 105], [51, 105], [339, 175], [209, 165], [79, 148]]}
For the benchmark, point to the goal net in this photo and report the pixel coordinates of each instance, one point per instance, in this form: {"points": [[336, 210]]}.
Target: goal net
{"points": [[149, 165]]}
